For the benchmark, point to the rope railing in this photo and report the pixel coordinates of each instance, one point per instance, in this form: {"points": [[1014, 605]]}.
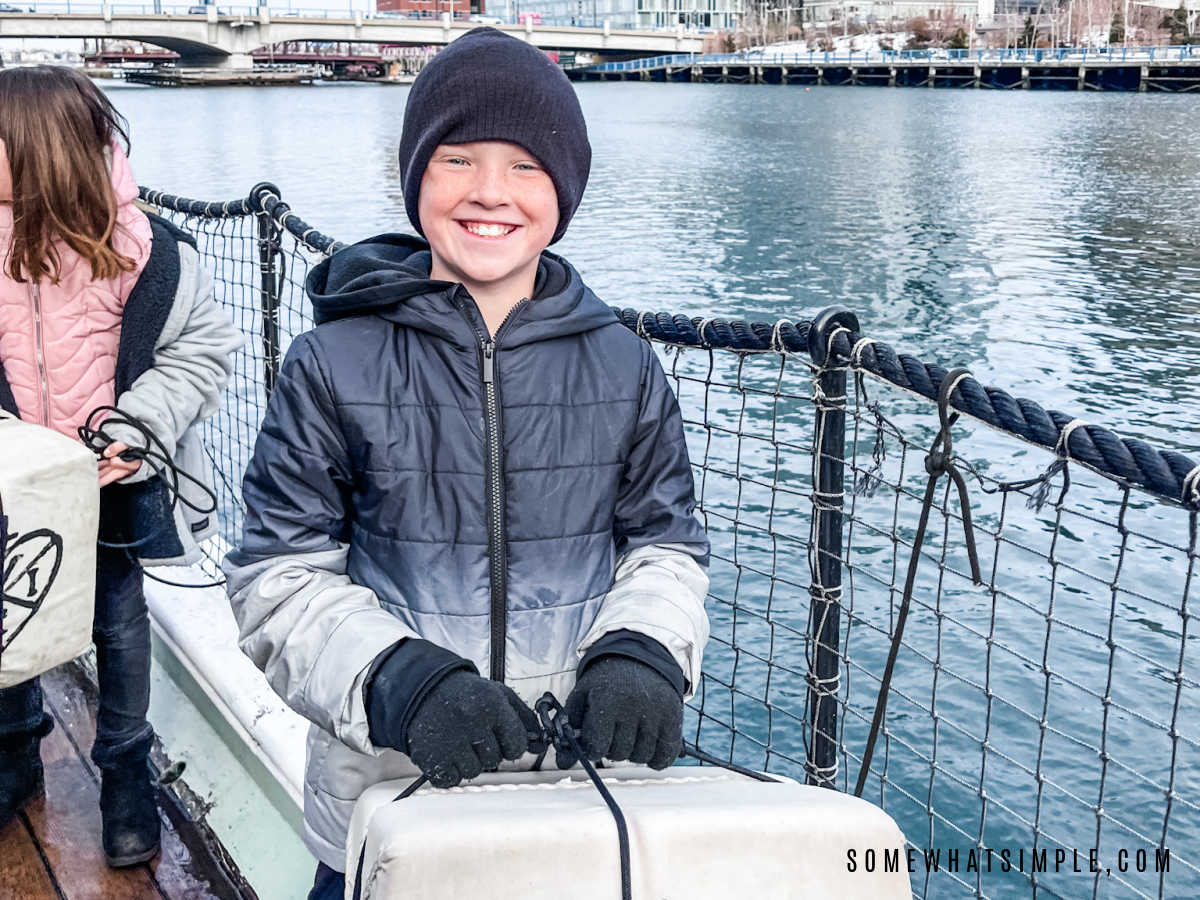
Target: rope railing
{"points": [[1161, 472], [1053, 707]]}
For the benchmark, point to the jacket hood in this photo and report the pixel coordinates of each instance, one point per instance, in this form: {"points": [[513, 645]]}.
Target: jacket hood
{"points": [[388, 275]]}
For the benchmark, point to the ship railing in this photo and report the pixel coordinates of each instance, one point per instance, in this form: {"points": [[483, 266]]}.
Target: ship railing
{"points": [[1043, 697]]}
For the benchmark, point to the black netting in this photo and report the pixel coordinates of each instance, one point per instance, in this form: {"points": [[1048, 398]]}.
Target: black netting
{"points": [[1052, 708], [258, 270]]}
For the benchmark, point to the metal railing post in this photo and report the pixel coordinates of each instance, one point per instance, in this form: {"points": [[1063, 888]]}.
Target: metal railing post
{"points": [[269, 249], [825, 547]]}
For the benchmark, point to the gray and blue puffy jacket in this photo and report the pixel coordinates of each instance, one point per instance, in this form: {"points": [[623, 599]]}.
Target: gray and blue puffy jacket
{"points": [[514, 501]]}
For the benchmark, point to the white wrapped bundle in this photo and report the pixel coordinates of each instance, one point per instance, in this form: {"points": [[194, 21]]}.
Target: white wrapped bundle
{"points": [[50, 496], [694, 833]]}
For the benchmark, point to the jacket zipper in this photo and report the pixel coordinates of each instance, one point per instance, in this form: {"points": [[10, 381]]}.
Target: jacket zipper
{"points": [[494, 490], [497, 555], [39, 351]]}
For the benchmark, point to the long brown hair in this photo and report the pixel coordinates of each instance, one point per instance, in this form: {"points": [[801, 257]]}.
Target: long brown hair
{"points": [[56, 126]]}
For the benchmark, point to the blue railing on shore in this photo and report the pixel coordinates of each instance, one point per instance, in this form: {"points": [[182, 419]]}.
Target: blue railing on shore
{"points": [[884, 57]]}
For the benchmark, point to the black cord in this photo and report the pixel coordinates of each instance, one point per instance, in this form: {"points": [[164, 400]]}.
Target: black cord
{"points": [[696, 753], [560, 733], [938, 462], [201, 584], [155, 455]]}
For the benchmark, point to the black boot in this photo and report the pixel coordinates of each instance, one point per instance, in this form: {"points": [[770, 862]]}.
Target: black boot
{"points": [[127, 808], [21, 778]]}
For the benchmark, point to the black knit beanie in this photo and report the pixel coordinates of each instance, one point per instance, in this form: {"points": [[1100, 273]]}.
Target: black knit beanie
{"points": [[488, 86]]}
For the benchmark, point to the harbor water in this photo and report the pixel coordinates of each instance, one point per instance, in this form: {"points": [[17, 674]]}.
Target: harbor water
{"points": [[1048, 241]]}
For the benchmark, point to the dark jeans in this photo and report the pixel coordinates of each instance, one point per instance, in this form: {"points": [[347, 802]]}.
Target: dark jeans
{"points": [[121, 632], [328, 885]]}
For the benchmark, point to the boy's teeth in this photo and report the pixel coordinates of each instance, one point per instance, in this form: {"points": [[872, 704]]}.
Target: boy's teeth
{"points": [[488, 230]]}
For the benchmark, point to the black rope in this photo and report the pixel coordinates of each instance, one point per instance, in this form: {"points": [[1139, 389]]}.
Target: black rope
{"points": [[939, 461], [227, 209], [267, 201], [1161, 472], [261, 200], [153, 454], [722, 334], [560, 733], [696, 753]]}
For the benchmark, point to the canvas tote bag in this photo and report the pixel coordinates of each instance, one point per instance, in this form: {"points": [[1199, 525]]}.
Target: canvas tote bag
{"points": [[49, 516]]}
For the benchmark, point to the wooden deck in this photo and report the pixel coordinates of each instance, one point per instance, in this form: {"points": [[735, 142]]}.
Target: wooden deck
{"points": [[52, 851]]}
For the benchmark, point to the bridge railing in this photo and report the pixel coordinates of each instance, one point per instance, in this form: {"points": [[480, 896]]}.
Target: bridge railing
{"points": [[90, 7], [1011, 666], [93, 7]]}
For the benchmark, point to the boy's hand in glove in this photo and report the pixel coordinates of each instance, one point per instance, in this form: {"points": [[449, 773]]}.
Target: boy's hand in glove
{"points": [[430, 704], [467, 725], [621, 708]]}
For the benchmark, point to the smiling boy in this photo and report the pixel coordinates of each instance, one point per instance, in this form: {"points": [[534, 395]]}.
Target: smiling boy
{"points": [[471, 485], [489, 210]]}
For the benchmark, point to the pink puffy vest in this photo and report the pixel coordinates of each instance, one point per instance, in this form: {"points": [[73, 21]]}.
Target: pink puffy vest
{"points": [[58, 342]]}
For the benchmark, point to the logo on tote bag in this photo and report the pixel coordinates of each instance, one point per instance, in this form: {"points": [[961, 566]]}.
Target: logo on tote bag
{"points": [[30, 564]]}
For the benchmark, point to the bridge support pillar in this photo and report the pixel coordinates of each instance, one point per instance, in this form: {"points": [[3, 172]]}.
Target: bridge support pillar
{"points": [[891, 76], [643, 75], [1081, 79], [932, 77], [820, 75], [235, 61], [1143, 77], [1025, 77], [978, 73], [697, 74], [854, 74]]}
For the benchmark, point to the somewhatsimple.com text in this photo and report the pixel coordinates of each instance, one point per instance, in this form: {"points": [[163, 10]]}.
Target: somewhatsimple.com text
{"points": [[1004, 859]]}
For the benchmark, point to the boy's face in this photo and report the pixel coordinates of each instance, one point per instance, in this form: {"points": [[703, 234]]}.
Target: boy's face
{"points": [[488, 209]]}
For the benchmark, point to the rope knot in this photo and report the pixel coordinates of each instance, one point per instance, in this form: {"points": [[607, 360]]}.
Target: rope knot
{"points": [[1191, 489]]}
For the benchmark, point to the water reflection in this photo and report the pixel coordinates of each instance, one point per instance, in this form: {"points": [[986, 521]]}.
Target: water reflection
{"points": [[1048, 241]]}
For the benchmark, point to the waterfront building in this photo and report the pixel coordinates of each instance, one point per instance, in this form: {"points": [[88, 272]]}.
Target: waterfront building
{"points": [[651, 14], [881, 12], [430, 9]]}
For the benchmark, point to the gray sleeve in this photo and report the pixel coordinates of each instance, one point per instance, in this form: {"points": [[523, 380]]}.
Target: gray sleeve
{"points": [[312, 631], [658, 591], [193, 362]]}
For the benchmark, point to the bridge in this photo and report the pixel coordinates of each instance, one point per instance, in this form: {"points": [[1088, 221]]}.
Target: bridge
{"points": [[226, 37]]}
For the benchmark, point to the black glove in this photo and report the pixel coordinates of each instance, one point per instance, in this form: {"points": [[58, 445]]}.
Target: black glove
{"points": [[622, 708], [429, 703]]}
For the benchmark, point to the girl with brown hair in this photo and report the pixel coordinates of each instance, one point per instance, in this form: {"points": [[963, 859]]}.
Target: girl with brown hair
{"points": [[102, 306]]}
